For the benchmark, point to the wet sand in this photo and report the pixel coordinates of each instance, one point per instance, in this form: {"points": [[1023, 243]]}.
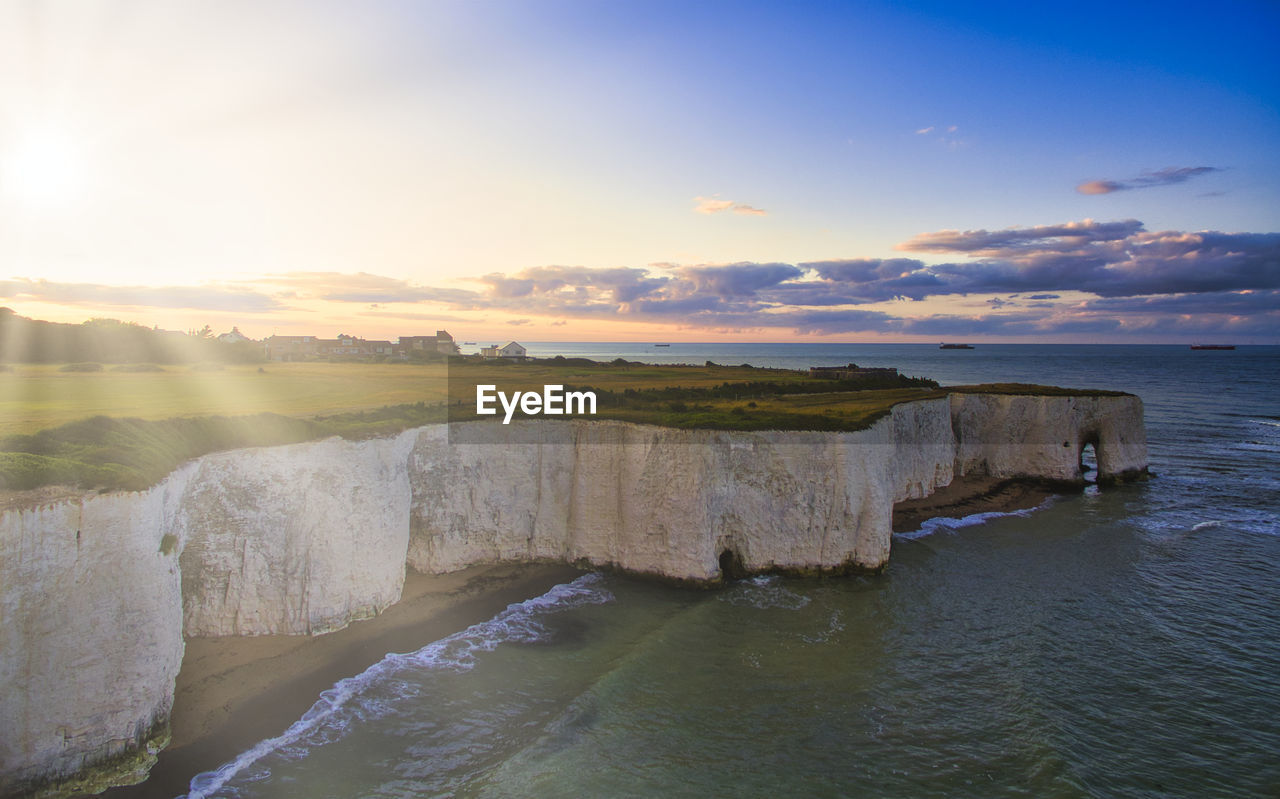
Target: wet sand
{"points": [[233, 692], [966, 496]]}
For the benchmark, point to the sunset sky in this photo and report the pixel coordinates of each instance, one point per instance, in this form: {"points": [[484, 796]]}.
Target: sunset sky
{"points": [[861, 171]]}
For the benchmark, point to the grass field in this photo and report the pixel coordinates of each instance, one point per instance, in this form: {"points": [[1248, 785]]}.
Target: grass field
{"points": [[37, 397], [34, 398], [117, 429]]}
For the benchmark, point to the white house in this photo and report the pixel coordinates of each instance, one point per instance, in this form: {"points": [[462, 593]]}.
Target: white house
{"points": [[512, 350], [233, 337]]}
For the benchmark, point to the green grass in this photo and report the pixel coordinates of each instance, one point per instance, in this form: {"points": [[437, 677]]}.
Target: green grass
{"points": [[131, 454], [125, 430], [1033, 390], [37, 397]]}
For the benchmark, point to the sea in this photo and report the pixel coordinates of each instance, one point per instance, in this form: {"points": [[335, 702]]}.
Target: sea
{"points": [[1122, 642]]}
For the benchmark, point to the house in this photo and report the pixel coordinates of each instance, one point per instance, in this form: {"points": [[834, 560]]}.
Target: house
{"points": [[851, 372], [353, 348], [345, 346], [441, 342], [234, 337], [291, 348], [511, 350], [379, 348]]}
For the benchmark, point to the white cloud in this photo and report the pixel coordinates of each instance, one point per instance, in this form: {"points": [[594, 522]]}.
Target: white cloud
{"points": [[712, 205]]}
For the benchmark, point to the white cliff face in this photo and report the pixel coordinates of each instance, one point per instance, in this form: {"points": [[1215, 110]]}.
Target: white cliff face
{"points": [[1042, 437], [924, 449], [298, 539], [90, 631], [671, 502], [96, 595]]}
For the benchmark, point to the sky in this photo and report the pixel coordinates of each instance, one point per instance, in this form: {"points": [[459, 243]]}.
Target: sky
{"points": [[586, 170]]}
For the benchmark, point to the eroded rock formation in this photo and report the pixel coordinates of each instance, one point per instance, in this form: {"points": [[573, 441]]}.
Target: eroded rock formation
{"points": [[97, 594]]}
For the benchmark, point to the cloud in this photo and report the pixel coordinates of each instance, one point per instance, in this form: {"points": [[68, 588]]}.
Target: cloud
{"points": [[1009, 241], [1100, 187], [364, 288], [925, 131], [1132, 281], [209, 297], [1234, 303], [737, 280], [711, 205], [417, 317], [1124, 281], [616, 284], [1147, 180], [1167, 262]]}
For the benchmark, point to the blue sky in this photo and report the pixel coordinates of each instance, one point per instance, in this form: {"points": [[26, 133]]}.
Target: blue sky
{"points": [[505, 167]]}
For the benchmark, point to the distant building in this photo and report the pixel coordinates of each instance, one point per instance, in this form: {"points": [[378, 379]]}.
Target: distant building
{"points": [[291, 348], [441, 342], [511, 350], [353, 348], [850, 372], [234, 337]]}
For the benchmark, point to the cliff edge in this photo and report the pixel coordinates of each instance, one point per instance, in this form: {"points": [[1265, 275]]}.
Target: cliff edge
{"points": [[97, 593]]}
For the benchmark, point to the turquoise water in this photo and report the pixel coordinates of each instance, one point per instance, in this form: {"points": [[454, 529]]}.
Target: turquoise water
{"points": [[1119, 643]]}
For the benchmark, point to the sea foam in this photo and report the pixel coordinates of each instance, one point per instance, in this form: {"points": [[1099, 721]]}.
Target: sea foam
{"points": [[943, 524], [333, 713]]}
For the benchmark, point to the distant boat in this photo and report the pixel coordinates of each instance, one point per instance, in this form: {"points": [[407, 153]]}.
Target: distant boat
{"points": [[1213, 346], [468, 343], [955, 346], [662, 345]]}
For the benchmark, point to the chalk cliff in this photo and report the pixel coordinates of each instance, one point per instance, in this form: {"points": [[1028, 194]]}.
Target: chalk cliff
{"points": [[672, 502], [97, 594]]}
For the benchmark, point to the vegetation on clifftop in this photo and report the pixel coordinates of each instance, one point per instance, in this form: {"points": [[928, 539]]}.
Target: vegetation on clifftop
{"points": [[242, 408]]}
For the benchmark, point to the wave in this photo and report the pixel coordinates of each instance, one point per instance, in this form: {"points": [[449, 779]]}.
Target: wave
{"points": [[324, 721], [763, 593], [942, 524]]}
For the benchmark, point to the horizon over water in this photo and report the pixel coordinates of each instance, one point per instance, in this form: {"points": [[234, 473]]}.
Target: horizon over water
{"points": [[1113, 643]]}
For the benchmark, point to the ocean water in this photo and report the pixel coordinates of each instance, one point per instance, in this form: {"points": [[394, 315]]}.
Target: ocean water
{"points": [[1116, 643]]}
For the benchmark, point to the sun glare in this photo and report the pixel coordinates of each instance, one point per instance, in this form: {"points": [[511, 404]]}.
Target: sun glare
{"points": [[42, 169]]}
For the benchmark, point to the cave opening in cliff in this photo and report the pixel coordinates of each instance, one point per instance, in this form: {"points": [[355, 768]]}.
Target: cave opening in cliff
{"points": [[731, 567], [1089, 462]]}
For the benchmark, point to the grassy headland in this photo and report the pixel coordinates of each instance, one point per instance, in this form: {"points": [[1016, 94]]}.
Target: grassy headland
{"points": [[127, 429]]}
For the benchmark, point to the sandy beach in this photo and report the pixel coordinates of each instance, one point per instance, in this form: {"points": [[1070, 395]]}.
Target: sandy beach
{"points": [[966, 496], [234, 692]]}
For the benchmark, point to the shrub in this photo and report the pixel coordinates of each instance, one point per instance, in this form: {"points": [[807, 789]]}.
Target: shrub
{"points": [[23, 470], [81, 367], [137, 367]]}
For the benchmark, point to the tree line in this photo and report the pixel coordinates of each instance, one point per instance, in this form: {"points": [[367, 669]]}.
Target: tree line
{"points": [[24, 340]]}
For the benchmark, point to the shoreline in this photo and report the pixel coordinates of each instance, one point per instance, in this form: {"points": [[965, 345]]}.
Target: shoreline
{"points": [[233, 692], [965, 496]]}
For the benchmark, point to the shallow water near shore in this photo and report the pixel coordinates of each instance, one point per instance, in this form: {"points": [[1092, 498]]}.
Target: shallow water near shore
{"points": [[1123, 642]]}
